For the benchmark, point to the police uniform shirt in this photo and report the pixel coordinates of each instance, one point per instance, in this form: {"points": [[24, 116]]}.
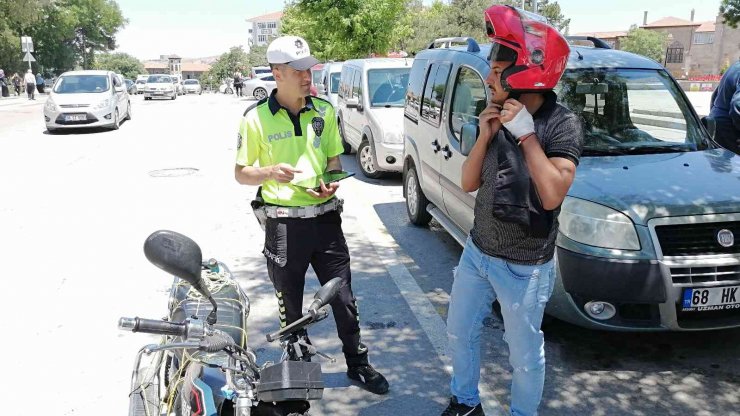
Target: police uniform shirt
{"points": [[269, 134]]}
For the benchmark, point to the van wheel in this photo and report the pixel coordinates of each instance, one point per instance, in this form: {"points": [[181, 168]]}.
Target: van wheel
{"points": [[416, 201], [345, 145], [116, 121], [366, 160], [128, 112]]}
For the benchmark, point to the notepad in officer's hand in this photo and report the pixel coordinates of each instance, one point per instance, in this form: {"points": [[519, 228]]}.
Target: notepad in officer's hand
{"points": [[328, 177]]}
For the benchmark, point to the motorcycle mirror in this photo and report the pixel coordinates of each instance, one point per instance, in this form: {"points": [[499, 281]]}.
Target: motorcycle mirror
{"points": [[180, 256], [326, 294]]}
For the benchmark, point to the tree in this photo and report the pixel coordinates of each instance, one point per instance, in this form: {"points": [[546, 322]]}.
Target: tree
{"points": [[257, 56], [345, 29], [649, 43], [464, 18], [121, 63], [66, 33], [227, 64], [730, 10]]}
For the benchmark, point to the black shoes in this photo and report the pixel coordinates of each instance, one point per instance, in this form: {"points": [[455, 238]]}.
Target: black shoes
{"points": [[373, 381], [458, 409]]}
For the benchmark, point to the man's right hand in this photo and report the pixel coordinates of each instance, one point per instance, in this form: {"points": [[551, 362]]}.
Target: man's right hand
{"points": [[283, 172], [489, 121]]}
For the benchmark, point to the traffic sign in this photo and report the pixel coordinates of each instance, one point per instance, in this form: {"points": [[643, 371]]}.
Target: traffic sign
{"points": [[26, 44], [29, 57]]}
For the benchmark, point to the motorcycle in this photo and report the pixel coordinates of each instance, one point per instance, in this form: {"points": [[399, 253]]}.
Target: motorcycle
{"points": [[198, 367]]}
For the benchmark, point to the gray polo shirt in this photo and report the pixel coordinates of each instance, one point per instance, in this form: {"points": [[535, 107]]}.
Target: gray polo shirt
{"points": [[560, 134]]}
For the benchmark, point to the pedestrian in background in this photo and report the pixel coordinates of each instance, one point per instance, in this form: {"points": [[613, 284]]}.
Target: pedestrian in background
{"points": [[3, 84], [724, 111], [30, 81], [17, 82], [238, 82], [40, 83]]}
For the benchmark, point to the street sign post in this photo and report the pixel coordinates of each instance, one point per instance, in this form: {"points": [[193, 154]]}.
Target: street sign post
{"points": [[27, 48]]}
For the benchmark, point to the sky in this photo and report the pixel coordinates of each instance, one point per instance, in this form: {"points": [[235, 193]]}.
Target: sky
{"points": [[197, 28]]}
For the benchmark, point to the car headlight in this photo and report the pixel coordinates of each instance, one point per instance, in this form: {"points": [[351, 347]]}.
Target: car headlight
{"points": [[392, 137], [50, 105], [101, 105], [597, 225]]}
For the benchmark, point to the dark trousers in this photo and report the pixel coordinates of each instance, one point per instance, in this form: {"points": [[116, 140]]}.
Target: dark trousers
{"points": [[291, 245], [30, 88], [238, 90]]}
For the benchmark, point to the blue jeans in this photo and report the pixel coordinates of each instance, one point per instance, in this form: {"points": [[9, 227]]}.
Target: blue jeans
{"points": [[522, 292]]}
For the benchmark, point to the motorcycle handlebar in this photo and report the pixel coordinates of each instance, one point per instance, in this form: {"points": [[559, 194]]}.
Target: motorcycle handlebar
{"points": [[304, 321], [152, 326]]}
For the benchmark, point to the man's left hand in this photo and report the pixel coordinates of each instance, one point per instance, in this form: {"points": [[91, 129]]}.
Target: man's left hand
{"points": [[325, 191], [516, 118]]}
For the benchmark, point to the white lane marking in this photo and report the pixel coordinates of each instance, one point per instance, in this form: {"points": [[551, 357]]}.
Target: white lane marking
{"points": [[434, 327]]}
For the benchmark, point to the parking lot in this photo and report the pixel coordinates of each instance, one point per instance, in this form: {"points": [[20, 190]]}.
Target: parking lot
{"points": [[78, 206]]}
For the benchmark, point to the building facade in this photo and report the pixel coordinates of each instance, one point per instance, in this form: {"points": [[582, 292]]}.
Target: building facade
{"points": [[174, 65], [694, 49], [264, 28]]}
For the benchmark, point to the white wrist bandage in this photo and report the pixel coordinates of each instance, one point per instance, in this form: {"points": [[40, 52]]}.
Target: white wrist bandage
{"points": [[521, 125]]}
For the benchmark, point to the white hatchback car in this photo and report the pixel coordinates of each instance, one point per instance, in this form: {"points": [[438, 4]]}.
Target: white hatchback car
{"points": [[259, 87], [192, 86], [160, 86], [87, 99]]}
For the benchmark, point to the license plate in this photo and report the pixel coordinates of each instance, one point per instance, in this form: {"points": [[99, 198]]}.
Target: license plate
{"points": [[75, 117], [711, 299]]}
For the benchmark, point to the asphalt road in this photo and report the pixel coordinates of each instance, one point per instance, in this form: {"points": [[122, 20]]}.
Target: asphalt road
{"points": [[77, 207]]}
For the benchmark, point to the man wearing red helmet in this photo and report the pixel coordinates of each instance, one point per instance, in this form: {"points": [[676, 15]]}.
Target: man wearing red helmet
{"points": [[522, 166]]}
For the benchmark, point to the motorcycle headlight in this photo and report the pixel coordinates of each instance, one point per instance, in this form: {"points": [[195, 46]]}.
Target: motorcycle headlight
{"points": [[597, 225], [101, 105], [50, 105], [392, 137]]}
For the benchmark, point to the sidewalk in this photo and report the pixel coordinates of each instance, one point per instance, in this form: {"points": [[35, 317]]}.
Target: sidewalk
{"points": [[21, 101]]}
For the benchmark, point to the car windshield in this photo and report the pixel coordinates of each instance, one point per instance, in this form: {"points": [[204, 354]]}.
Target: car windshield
{"points": [[82, 84], [630, 111], [159, 79], [387, 86], [315, 76], [334, 80], [258, 71], [141, 81], [191, 82]]}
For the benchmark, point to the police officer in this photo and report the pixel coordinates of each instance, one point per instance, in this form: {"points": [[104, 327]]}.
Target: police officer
{"points": [[725, 110], [294, 136]]}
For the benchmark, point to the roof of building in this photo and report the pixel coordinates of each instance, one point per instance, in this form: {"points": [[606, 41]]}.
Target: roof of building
{"points": [[670, 22], [706, 27], [604, 35], [174, 57], [266, 17], [156, 65], [195, 67]]}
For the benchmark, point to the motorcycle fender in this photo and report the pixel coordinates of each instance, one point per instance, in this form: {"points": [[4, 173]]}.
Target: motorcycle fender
{"points": [[202, 387]]}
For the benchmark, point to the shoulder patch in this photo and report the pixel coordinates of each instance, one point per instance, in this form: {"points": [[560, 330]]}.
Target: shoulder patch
{"points": [[255, 105]]}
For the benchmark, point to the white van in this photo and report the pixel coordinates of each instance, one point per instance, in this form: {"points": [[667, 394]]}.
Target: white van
{"points": [[370, 110], [328, 85]]}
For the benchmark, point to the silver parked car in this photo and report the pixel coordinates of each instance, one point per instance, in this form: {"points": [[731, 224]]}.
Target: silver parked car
{"points": [[192, 86], [370, 111], [259, 87], [160, 86], [87, 99]]}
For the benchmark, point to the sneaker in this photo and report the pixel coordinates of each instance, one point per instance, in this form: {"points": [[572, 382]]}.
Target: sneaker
{"points": [[459, 409], [373, 381]]}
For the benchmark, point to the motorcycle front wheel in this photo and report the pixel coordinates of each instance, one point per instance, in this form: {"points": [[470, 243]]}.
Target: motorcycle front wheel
{"points": [[144, 400]]}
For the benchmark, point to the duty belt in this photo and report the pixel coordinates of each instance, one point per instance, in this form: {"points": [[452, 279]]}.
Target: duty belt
{"points": [[311, 211]]}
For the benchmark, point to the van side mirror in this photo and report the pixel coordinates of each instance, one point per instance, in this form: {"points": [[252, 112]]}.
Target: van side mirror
{"points": [[119, 88], [468, 136], [353, 102]]}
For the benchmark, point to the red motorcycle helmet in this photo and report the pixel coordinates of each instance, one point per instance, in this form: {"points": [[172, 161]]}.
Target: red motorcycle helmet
{"points": [[541, 51]]}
